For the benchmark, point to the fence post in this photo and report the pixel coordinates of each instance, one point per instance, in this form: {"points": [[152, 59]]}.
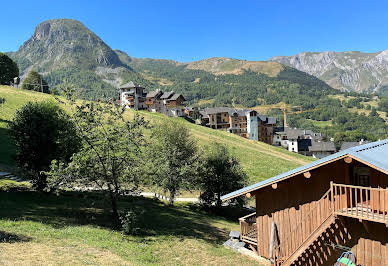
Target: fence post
{"points": [[332, 196]]}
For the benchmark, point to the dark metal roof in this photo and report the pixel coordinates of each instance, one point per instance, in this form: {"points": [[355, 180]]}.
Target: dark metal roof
{"points": [[215, 110], [152, 94], [347, 145], [297, 133], [271, 121], [322, 146], [374, 153], [176, 96], [166, 95], [129, 85]]}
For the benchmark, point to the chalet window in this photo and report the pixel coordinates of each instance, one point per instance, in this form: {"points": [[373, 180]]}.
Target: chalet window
{"points": [[362, 176]]}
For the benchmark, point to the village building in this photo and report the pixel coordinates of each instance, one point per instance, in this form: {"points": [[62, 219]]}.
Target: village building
{"points": [[288, 138], [243, 122], [314, 214], [346, 145], [321, 149], [193, 113], [302, 141], [153, 101], [132, 95]]}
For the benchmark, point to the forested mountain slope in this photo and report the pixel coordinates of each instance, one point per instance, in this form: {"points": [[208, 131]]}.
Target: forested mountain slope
{"points": [[65, 51]]}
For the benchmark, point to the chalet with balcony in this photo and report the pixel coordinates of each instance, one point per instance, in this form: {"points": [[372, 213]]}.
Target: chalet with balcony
{"points": [[243, 122], [314, 213], [132, 95], [153, 101]]}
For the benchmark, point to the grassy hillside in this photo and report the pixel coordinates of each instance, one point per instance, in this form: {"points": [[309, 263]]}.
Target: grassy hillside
{"points": [[75, 229], [259, 160]]}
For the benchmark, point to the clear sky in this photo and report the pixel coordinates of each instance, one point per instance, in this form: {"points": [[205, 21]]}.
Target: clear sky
{"points": [[187, 30]]}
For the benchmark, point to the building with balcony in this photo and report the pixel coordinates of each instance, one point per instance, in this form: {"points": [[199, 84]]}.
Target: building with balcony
{"points": [[132, 95], [314, 214], [243, 122]]}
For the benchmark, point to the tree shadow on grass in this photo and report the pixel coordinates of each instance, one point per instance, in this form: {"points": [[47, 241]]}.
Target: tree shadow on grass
{"points": [[12, 238], [87, 208], [7, 146]]}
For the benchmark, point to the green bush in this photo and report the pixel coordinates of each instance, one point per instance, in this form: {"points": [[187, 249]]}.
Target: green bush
{"points": [[11, 186], [8, 69], [131, 221], [42, 132], [221, 174]]}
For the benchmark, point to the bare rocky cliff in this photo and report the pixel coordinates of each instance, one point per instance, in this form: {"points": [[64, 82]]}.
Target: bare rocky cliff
{"points": [[61, 43], [347, 71]]}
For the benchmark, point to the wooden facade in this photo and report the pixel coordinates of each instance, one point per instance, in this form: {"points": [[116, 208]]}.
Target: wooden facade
{"points": [[236, 122], [313, 217]]}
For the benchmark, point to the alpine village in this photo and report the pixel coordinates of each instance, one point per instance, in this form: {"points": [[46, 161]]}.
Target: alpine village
{"points": [[109, 159]]}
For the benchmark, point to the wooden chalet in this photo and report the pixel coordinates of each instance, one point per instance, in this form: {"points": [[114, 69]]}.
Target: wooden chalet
{"points": [[314, 213]]}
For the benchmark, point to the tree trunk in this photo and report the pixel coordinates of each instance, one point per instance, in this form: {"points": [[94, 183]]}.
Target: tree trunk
{"points": [[219, 202], [115, 211], [172, 197]]}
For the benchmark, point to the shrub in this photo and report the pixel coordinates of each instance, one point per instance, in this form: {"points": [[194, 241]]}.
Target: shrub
{"points": [[42, 132], [221, 174], [8, 69], [131, 222]]}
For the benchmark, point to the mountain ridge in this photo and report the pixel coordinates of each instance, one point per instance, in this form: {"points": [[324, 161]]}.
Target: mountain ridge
{"points": [[65, 49], [346, 71]]}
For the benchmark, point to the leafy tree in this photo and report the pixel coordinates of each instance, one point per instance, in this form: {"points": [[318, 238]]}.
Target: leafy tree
{"points": [[383, 104], [109, 158], [8, 69], [221, 174], [172, 158], [42, 132], [34, 81], [373, 113]]}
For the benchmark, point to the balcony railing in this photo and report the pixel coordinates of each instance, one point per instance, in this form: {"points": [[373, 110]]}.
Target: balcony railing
{"points": [[248, 228], [365, 203]]}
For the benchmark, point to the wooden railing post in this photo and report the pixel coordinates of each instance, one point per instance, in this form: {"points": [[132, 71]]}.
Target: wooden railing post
{"points": [[332, 196]]}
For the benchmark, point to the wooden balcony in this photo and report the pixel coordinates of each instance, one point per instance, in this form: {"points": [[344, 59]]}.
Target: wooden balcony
{"points": [[364, 203], [248, 229]]}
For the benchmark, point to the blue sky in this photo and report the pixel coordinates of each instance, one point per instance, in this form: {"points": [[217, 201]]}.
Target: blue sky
{"points": [[187, 30]]}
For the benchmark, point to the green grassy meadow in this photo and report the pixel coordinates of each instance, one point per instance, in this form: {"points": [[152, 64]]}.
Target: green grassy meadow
{"points": [[74, 228], [259, 160]]}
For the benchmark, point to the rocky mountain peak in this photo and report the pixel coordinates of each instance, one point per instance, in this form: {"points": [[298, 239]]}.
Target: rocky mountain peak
{"points": [[346, 71], [61, 43]]}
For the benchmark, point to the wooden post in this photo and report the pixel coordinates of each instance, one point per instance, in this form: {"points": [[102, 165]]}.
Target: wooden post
{"points": [[332, 196], [307, 174], [348, 160], [272, 243]]}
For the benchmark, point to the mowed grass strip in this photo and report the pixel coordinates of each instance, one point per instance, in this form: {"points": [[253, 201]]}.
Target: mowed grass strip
{"points": [[75, 228]]}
